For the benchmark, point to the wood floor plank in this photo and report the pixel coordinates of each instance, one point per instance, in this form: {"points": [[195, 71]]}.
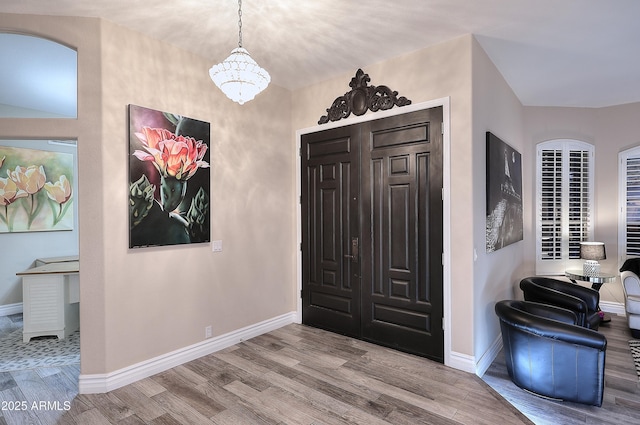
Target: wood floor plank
{"points": [[235, 417], [62, 384], [217, 371], [132, 420], [165, 419], [148, 387], [267, 405], [92, 417], [17, 410], [255, 357], [236, 410], [316, 398], [110, 406], [145, 408], [6, 381], [404, 412], [180, 410], [181, 387], [272, 355], [304, 412], [37, 394]]}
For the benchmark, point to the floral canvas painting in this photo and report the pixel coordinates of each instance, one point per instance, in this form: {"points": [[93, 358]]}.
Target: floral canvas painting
{"points": [[36, 190], [168, 179]]}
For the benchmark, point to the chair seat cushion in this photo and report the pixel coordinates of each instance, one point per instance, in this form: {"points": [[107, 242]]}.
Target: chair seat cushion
{"points": [[633, 305]]}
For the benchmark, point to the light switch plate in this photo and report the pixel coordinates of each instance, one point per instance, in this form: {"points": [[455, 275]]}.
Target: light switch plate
{"points": [[217, 246]]}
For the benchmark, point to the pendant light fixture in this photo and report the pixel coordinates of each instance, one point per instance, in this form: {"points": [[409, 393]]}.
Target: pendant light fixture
{"points": [[239, 76]]}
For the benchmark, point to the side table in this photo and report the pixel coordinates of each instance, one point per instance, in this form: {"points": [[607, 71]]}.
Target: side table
{"points": [[596, 282]]}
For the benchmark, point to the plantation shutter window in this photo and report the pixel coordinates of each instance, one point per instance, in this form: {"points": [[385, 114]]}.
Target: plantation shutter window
{"points": [[564, 200], [629, 228], [551, 205]]}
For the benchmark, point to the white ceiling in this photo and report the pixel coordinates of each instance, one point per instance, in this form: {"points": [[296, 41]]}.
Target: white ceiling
{"points": [[552, 53]]}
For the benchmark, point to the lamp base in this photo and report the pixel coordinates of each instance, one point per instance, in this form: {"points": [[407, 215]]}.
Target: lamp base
{"points": [[591, 268]]}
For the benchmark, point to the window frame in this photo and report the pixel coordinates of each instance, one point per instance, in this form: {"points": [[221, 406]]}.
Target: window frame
{"points": [[564, 262]]}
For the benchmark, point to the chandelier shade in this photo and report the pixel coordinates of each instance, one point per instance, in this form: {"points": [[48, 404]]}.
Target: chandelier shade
{"points": [[239, 77]]}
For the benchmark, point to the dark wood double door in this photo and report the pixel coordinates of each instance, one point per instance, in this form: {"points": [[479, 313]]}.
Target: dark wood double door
{"points": [[372, 231]]}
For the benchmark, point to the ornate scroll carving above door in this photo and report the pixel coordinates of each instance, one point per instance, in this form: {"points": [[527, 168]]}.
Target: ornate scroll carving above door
{"points": [[362, 98]]}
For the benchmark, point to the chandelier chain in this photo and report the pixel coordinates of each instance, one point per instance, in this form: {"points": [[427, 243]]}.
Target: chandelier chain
{"points": [[239, 23]]}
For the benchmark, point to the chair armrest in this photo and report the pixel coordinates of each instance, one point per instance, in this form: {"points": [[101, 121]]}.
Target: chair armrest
{"points": [[630, 283], [571, 334]]}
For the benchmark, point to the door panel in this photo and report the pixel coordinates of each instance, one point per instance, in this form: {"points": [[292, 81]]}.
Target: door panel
{"points": [[377, 185], [330, 181], [402, 233]]}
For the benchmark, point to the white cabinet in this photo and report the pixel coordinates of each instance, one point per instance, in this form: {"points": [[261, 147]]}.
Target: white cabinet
{"points": [[50, 299]]}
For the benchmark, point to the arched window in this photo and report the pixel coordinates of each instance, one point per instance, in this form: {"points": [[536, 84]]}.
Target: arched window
{"points": [[38, 79], [564, 203]]}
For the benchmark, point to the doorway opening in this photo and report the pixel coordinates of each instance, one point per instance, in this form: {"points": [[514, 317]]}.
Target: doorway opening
{"points": [[39, 320]]}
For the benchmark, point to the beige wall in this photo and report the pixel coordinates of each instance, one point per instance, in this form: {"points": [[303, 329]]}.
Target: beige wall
{"points": [[498, 110], [138, 304], [154, 293]]}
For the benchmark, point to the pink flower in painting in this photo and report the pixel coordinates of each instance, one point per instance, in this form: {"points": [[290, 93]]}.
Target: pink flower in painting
{"points": [[59, 191], [173, 156], [9, 192], [30, 179]]}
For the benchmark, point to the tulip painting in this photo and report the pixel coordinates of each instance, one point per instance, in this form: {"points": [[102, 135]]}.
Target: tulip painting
{"points": [[168, 178], [25, 190]]}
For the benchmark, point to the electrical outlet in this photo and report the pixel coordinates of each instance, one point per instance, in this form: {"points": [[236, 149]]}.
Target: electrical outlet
{"points": [[208, 332]]}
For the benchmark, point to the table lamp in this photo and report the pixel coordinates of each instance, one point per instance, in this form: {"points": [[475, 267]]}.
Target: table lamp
{"points": [[591, 252]]}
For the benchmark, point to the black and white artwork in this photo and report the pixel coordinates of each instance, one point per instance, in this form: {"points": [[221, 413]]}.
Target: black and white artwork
{"points": [[504, 194]]}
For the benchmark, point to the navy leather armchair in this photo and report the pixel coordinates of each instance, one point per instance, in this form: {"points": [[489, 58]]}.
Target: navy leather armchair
{"points": [[582, 301], [547, 353]]}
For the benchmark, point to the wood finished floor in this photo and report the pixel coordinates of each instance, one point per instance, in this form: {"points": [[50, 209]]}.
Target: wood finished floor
{"points": [[301, 375]]}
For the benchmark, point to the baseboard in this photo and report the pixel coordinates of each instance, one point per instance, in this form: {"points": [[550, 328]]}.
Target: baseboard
{"points": [[613, 308], [8, 309], [468, 363], [489, 356], [462, 362], [102, 383]]}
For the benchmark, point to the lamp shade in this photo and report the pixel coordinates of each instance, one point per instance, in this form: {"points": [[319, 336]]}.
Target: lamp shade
{"points": [[239, 76], [593, 251]]}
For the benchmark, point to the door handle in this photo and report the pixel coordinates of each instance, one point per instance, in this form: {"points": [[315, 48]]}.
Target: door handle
{"points": [[354, 251]]}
